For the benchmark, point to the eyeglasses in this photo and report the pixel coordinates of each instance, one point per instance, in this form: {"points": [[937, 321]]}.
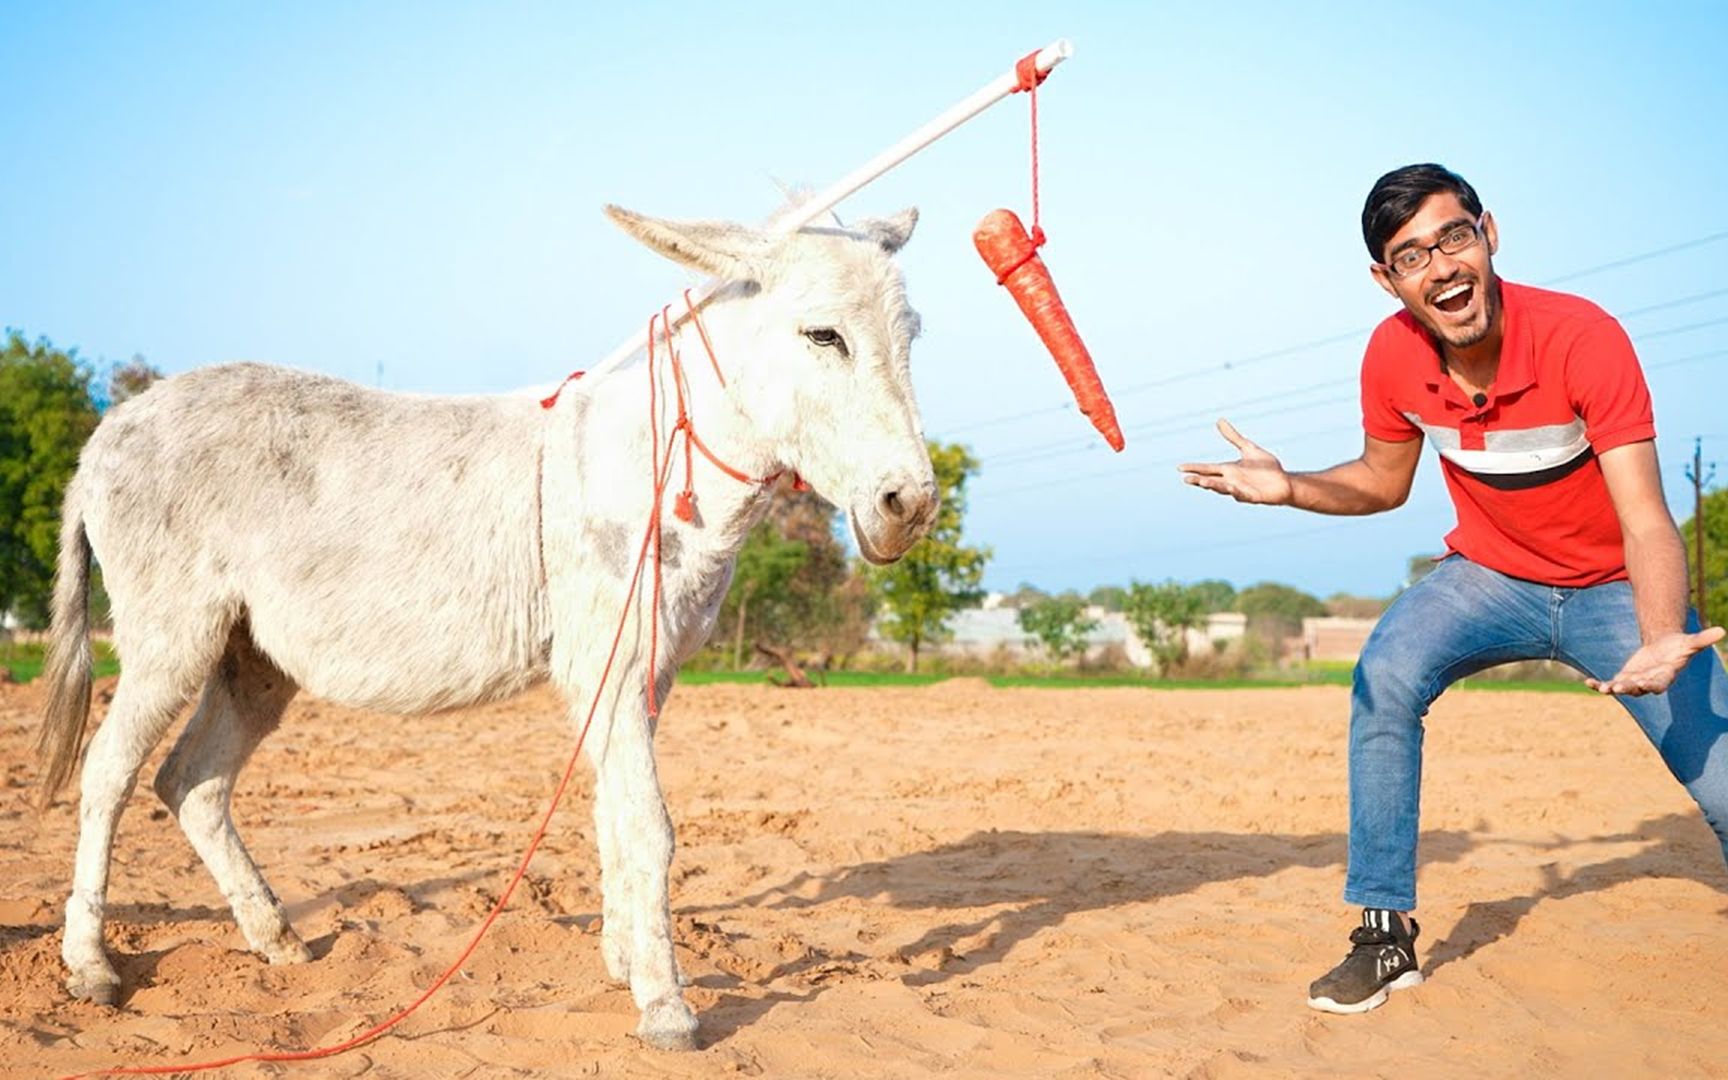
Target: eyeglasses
{"points": [[1456, 241]]}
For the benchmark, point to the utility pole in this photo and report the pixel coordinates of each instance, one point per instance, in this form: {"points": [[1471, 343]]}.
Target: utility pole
{"points": [[1696, 475]]}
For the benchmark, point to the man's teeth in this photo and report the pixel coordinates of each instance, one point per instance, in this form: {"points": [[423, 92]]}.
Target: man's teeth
{"points": [[1454, 291]]}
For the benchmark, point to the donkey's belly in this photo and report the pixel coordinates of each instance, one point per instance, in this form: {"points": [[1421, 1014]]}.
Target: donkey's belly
{"points": [[399, 659]]}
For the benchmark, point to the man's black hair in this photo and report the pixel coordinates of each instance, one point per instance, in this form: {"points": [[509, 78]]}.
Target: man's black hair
{"points": [[1399, 194]]}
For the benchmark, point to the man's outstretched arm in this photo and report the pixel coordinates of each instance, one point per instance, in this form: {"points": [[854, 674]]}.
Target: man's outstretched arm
{"points": [[1378, 480], [1656, 566]]}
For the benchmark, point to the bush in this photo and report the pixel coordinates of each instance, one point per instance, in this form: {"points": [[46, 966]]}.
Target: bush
{"points": [[1237, 660]]}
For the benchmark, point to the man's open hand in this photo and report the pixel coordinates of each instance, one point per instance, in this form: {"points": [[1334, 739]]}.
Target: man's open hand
{"points": [[1653, 668], [1256, 478]]}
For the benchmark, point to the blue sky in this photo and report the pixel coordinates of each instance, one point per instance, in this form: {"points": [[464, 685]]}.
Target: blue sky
{"points": [[411, 194]]}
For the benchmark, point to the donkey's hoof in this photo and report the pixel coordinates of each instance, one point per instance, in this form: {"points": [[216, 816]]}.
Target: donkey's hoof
{"points": [[287, 948], [100, 991], [290, 952], [668, 1024]]}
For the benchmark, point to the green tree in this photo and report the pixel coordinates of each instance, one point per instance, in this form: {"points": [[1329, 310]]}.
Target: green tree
{"points": [[1715, 569], [1215, 595], [940, 574], [1059, 623], [128, 380], [1349, 606], [1275, 611], [824, 603], [46, 413], [1024, 594], [766, 562], [1419, 567], [1162, 615], [1108, 597]]}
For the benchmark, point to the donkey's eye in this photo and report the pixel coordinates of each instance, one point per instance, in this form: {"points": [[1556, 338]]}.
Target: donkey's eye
{"points": [[826, 337]]}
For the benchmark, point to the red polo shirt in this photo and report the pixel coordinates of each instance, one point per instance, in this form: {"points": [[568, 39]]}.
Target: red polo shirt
{"points": [[1522, 466]]}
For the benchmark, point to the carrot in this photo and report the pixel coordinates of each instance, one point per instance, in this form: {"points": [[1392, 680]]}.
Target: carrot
{"points": [[1013, 258]]}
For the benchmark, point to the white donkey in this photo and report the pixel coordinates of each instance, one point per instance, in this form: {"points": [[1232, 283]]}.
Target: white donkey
{"points": [[262, 530]]}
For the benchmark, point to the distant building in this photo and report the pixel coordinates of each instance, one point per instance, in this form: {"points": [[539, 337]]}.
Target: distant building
{"points": [[1331, 637], [1220, 628], [994, 629]]}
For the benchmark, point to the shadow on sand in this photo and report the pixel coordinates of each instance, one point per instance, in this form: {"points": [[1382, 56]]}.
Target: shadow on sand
{"points": [[1038, 880], [1679, 848]]}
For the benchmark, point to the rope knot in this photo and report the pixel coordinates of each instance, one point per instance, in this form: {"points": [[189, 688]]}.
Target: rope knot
{"points": [[1026, 71], [548, 402]]}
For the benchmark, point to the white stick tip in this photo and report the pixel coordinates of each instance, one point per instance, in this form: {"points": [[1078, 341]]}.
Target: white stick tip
{"points": [[1054, 53]]}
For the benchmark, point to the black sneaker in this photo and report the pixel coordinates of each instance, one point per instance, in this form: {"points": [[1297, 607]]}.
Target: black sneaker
{"points": [[1383, 960]]}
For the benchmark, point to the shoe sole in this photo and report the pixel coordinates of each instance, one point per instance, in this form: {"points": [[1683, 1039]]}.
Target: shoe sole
{"points": [[1402, 982]]}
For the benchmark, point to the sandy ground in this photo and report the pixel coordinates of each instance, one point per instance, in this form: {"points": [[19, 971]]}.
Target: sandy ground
{"points": [[953, 880]]}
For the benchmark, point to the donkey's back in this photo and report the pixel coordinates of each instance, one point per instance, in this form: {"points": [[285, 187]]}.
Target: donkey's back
{"points": [[381, 549]]}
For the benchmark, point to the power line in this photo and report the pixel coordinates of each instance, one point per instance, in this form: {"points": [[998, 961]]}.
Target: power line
{"points": [[1693, 299], [1182, 376], [1683, 329], [1151, 428], [1350, 335], [1070, 479], [1013, 569], [1688, 360], [1641, 257], [1158, 428], [1282, 440], [1016, 569]]}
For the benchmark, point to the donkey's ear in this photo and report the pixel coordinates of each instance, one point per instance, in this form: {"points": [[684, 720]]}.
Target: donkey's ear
{"points": [[727, 251], [891, 232]]}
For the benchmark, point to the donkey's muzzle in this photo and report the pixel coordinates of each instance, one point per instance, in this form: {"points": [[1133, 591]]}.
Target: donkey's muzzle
{"points": [[901, 513]]}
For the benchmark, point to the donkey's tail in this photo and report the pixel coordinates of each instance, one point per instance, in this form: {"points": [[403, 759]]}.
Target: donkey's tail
{"points": [[67, 673]]}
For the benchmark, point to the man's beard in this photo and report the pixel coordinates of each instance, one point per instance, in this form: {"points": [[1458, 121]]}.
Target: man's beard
{"points": [[1463, 337]]}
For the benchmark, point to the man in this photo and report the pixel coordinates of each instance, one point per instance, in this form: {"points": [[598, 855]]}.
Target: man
{"points": [[1564, 547]]}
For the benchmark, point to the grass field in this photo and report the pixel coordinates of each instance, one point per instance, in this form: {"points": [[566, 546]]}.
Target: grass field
{"points": [[1328, 674], [25, 663]]}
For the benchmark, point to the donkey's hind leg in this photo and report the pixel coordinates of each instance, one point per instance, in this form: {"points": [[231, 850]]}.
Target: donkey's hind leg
{"points": [[242, 703], [150, 694]]}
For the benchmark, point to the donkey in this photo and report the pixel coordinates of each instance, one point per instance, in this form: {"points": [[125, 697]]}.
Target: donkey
{"points": [[263, 530]]}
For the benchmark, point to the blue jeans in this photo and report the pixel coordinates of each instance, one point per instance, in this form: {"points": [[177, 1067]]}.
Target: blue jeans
{"points": [[1463, 618]]}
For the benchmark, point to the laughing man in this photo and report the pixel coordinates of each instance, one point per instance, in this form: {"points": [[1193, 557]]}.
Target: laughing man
{"points": [[1564, 547]]}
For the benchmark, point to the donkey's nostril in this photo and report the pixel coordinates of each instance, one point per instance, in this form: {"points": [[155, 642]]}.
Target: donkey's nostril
{"points": [[892, 505]]}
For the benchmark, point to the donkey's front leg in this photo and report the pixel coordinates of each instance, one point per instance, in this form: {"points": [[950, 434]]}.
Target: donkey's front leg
{"points": [[617, 938], [629, 788]]}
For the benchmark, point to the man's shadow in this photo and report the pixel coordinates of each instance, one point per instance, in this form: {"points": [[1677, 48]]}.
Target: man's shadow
{"points": [[1679, 848], [1035, 881]]}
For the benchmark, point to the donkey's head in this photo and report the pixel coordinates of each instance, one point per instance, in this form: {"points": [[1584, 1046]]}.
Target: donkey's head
{"points": [[813, 334]]}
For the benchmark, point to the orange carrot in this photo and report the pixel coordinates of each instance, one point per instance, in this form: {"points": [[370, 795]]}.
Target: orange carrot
{"points": [[1013, 258]]}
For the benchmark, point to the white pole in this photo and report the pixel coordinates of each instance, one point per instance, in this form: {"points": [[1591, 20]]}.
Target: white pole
{"points": [[796, 217]]}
